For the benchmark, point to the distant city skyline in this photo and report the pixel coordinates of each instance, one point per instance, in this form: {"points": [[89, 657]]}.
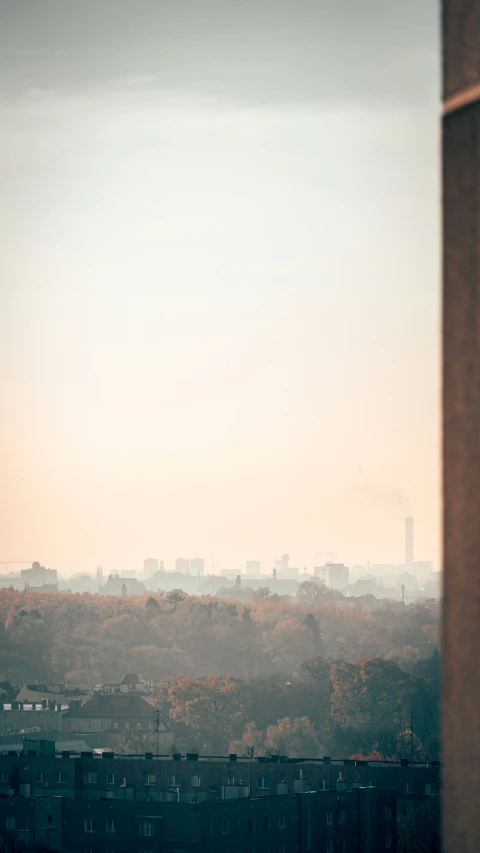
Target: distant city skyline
{"points": [[202, 566]]}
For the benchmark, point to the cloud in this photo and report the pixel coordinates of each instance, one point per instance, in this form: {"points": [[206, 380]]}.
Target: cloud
{"points": [[252, 52]]}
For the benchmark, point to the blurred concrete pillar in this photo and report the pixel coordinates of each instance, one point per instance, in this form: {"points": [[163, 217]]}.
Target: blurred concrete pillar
{"points": [[461, 414]]}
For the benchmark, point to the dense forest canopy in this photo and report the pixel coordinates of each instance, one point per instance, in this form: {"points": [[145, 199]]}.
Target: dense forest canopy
{"points": [[320, 676]]}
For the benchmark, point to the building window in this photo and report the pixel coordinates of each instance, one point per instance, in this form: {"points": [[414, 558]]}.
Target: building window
{"points": [[110, 826], [58, 776], [341, 816], [103, 724], [127, 725], [139, 725], [115, 725], [329, 818], [322, 785], [5, 776], [175, 780], [110, 778], [90, 778], [196, 781], [89, 825], [39, 777], [266, 823], [406, 788], [11, 822], [263, 782], [150, 779], [225, 827], [428, 789], [388, 812], [388, 842], [281, 822], [146, 828], [251, 824], [49, 818], [231, 780]]}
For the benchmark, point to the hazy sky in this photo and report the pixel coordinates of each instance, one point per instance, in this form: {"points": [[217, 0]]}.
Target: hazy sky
{"points": [[219, 280]]}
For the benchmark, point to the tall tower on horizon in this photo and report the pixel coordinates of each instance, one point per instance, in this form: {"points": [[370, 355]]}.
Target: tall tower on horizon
{"points": [[409, 542]]}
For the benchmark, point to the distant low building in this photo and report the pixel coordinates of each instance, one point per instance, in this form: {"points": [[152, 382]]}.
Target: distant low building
{"points": [[363, 586], [51, 692], [122, 586], [40, 579], [120, 714], [130, 683], [168, 581]]}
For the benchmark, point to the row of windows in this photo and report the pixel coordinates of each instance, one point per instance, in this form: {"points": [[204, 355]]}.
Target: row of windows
{"points": [[146, 828], [252, 824]]}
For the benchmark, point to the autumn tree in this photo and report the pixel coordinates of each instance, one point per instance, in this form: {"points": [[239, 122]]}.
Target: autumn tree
{"points": [[293, 737], [251, 743], [209, 707]]}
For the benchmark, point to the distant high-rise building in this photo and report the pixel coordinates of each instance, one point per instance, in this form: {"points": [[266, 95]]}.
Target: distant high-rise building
{"points": [[150, 565], [182, 565], [320, 573], [197, 566], [337, 575], [409, 542], [252, 568]]}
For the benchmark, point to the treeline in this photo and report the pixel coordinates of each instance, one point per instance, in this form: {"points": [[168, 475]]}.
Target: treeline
{"points": [[88, 639]]}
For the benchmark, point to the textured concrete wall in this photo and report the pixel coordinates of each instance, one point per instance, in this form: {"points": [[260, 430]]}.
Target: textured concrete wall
{"points": [[461, 448]]}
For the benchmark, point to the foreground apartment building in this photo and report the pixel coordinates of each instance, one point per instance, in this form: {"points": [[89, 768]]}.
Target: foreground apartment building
{"points": [[201, 779], [363, 820], [107, 803]]}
